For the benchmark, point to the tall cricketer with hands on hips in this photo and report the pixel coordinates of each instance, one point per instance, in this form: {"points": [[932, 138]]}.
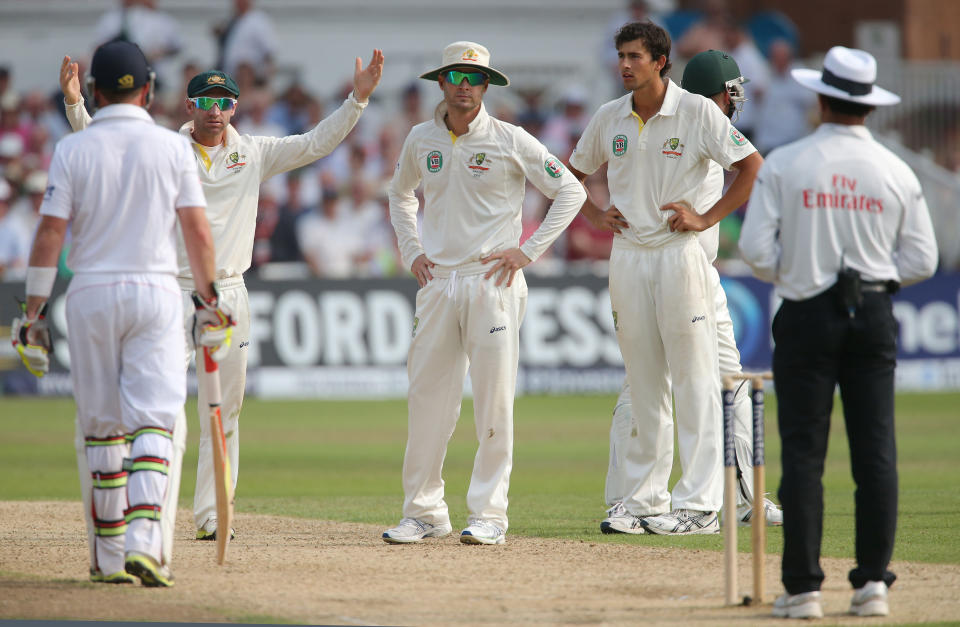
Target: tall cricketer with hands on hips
{"points": [[231, 168], [714, 75], [837, 222], [472, 293], [121, 187], [659, 142]]}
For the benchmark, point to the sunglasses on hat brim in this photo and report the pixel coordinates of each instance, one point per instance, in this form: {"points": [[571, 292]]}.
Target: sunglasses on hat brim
{"points": [[205, 103], [456, 77]]}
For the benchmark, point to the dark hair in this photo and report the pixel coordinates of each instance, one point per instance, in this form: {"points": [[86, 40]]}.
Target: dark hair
{"points": [[846, 107], [655, 39], [117, 96]]}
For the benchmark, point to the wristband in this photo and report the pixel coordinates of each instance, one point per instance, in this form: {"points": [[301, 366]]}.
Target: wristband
{"points": [[40, 280]]}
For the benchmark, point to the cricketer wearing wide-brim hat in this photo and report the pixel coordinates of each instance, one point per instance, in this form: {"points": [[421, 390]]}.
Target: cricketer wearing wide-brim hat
{"points": [[472, 296], [837, 222]]}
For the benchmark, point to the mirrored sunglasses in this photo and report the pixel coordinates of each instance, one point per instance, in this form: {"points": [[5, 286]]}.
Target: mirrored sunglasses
{"points": [[474, 78], [205, 103]]}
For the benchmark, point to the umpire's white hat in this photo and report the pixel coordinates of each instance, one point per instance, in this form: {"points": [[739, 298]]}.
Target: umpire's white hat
{"points": [[848, 74]]}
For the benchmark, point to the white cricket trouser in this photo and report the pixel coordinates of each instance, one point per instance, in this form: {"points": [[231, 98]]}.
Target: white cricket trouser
{"points": [[623, 424], [462, 320], [124, 333], [666, 326], [233, 381]]}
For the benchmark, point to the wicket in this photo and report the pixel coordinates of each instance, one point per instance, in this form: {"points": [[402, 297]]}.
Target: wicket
{"points": [[758, 518]]}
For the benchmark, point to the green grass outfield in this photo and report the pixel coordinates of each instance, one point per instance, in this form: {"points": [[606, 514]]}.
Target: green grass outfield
{"points": [[342, 460]]}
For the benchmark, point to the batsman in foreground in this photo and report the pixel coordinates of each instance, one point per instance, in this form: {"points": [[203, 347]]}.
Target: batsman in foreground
{"points": [[472, 292], [714, 75], [121, 187], [837, 222], [659, 142], [231, 168]]}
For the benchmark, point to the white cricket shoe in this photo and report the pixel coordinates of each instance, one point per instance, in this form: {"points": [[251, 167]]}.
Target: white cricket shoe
{"points": [[414, 530], [682, 522], [619, 520], [482, 532], [771, 512], [804, 605], [870, 600]]}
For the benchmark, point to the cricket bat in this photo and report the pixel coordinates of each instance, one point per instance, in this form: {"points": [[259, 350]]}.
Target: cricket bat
{"points": [[221, 462]]}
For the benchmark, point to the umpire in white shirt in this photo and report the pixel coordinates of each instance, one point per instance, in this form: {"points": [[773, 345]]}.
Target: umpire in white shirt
{"points": [[472, 292], [837, 222]]}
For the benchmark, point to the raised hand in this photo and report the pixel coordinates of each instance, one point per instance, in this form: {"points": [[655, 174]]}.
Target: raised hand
{"points": [[365, 80], [70, 81]]}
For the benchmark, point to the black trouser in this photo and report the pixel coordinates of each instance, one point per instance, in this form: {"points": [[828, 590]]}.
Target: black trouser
{"points": [[817, 347]]}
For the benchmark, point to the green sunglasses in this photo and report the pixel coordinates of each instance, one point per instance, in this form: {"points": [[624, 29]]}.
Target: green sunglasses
{"points": [[205, 103], [456, 77]]}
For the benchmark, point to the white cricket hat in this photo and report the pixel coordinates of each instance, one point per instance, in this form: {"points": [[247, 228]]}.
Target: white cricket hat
{"points": [[466, 54], [848, 74]]}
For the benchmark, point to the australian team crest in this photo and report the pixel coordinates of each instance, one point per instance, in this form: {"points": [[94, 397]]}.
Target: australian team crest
{"points": [[672, 148], [235, 160], [619, 145], [476, 164], [434, 161]]}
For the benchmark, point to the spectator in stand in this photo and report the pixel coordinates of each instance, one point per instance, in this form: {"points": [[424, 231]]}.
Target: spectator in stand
{"points": [[328, 239], [157, 33], [292, 110], [584, 241], [13, 257], [786, 111], [710, 33], [561, 131], [26, 210], [267, 215], [247, 39], [284, 246], [740, 45]]}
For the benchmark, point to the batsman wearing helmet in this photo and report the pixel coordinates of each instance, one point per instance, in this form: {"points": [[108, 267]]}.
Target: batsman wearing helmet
{"points": [[659, 142], [231, 168], [714, 75], [121, 187]]}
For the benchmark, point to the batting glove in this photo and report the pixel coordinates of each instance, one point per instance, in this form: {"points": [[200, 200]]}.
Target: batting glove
{"points": [[212, 326], [32, 340]]}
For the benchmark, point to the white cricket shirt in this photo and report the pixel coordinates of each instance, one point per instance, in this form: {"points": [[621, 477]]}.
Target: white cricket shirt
{"points": [[119, 184], [473, 190], [662, 160], [834, 198], [231, 181]]}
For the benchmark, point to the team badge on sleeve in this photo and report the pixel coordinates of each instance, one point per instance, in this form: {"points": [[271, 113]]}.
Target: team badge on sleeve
{"points": [[553, 167], [434, 161], [737, 138]]}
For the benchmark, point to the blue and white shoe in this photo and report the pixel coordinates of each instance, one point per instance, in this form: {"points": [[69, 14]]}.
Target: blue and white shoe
{"points": [[482, 532], [619, 520]]}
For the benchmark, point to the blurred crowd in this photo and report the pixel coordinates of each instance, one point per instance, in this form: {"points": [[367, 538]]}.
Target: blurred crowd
{"points": [[332, 218]]}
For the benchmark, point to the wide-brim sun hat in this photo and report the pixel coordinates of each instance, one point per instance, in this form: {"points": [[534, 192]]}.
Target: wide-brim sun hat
{"points": [[467, 54], [848, 74]]}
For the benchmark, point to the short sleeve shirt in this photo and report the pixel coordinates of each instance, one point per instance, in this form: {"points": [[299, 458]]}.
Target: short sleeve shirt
{"points": [[664, 159], [119, 183]]}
